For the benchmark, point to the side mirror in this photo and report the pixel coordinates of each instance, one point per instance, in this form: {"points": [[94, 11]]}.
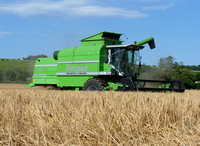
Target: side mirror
{"points": [[140, 65]]}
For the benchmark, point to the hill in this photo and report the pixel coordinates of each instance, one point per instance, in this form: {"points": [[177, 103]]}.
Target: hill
{"points": [[24, 65], [15, 70]]}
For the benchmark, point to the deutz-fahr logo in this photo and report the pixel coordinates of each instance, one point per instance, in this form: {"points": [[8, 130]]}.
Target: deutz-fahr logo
{"points": [[76, 68]]}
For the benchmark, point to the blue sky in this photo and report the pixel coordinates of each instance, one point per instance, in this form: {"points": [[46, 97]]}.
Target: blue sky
{"points": [[33, 27]]}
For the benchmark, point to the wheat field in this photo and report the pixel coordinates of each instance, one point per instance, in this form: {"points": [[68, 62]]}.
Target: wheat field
{"points": [[40, 117]]}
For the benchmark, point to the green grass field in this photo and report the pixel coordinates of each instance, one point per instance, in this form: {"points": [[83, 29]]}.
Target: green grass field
{"points": [[23, 65], [16, 71]]}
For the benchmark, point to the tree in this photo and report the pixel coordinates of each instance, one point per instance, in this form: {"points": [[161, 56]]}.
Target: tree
{"points": [[21, 76], [165, 70], [10, 75], [1, 76], [198, 76], [167, 62], [186, 76], [198, 67]]}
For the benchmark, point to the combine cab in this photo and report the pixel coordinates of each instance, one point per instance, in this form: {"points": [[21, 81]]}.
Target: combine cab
{"points": [[100, 63]]}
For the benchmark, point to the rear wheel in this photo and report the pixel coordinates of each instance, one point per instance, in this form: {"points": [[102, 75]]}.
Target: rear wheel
{"points": [[94, 85]]}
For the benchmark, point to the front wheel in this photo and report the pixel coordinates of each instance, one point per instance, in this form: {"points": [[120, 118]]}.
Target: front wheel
{"points": [[93, 85]]}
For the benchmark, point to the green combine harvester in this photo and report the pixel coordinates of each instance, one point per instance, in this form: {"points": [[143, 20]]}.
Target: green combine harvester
{"points": [[101, 63]]}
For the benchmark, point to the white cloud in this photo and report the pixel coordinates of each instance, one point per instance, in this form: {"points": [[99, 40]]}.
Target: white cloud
{"points": [[163, 7], [2, 34], [66, 8], [106, 12]]}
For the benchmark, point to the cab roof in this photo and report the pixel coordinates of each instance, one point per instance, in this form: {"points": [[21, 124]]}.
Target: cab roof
{"points": [[128, 46]]}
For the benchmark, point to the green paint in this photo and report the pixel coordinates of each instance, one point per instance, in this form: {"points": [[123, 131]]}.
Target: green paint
{"points": [[31, 84], [72, 67], [113, 86], [164, 85], [144, 41]]}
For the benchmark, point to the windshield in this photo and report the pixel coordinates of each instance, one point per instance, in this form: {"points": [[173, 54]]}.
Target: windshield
{"points": [[124, 60]]}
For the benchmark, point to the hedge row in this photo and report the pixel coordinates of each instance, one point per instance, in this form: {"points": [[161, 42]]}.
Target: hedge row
{"points": [[191, 85], [13, 75]]}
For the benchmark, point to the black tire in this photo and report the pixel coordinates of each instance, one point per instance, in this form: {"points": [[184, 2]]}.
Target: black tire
{"points": [[94, 84]]}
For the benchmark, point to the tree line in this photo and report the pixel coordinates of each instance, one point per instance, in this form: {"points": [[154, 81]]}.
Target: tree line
{"points": [[14, 75], [169, 69], [11, 70]]}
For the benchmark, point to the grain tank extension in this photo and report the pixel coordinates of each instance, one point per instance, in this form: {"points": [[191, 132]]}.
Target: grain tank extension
{"points": [[102, 62]]}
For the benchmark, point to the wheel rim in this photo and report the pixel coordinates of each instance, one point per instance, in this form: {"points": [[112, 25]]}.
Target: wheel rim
{"points": [[92, 88]]}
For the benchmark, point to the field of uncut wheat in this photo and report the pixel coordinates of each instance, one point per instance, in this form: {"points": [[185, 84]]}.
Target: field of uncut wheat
{"points": [[41, 117]]}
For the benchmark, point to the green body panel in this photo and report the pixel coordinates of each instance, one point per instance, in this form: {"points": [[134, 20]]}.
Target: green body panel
{"points": [[72, 61], [49, 69], [45, 79], [72, 81], [72, 67], [45, 71]]}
